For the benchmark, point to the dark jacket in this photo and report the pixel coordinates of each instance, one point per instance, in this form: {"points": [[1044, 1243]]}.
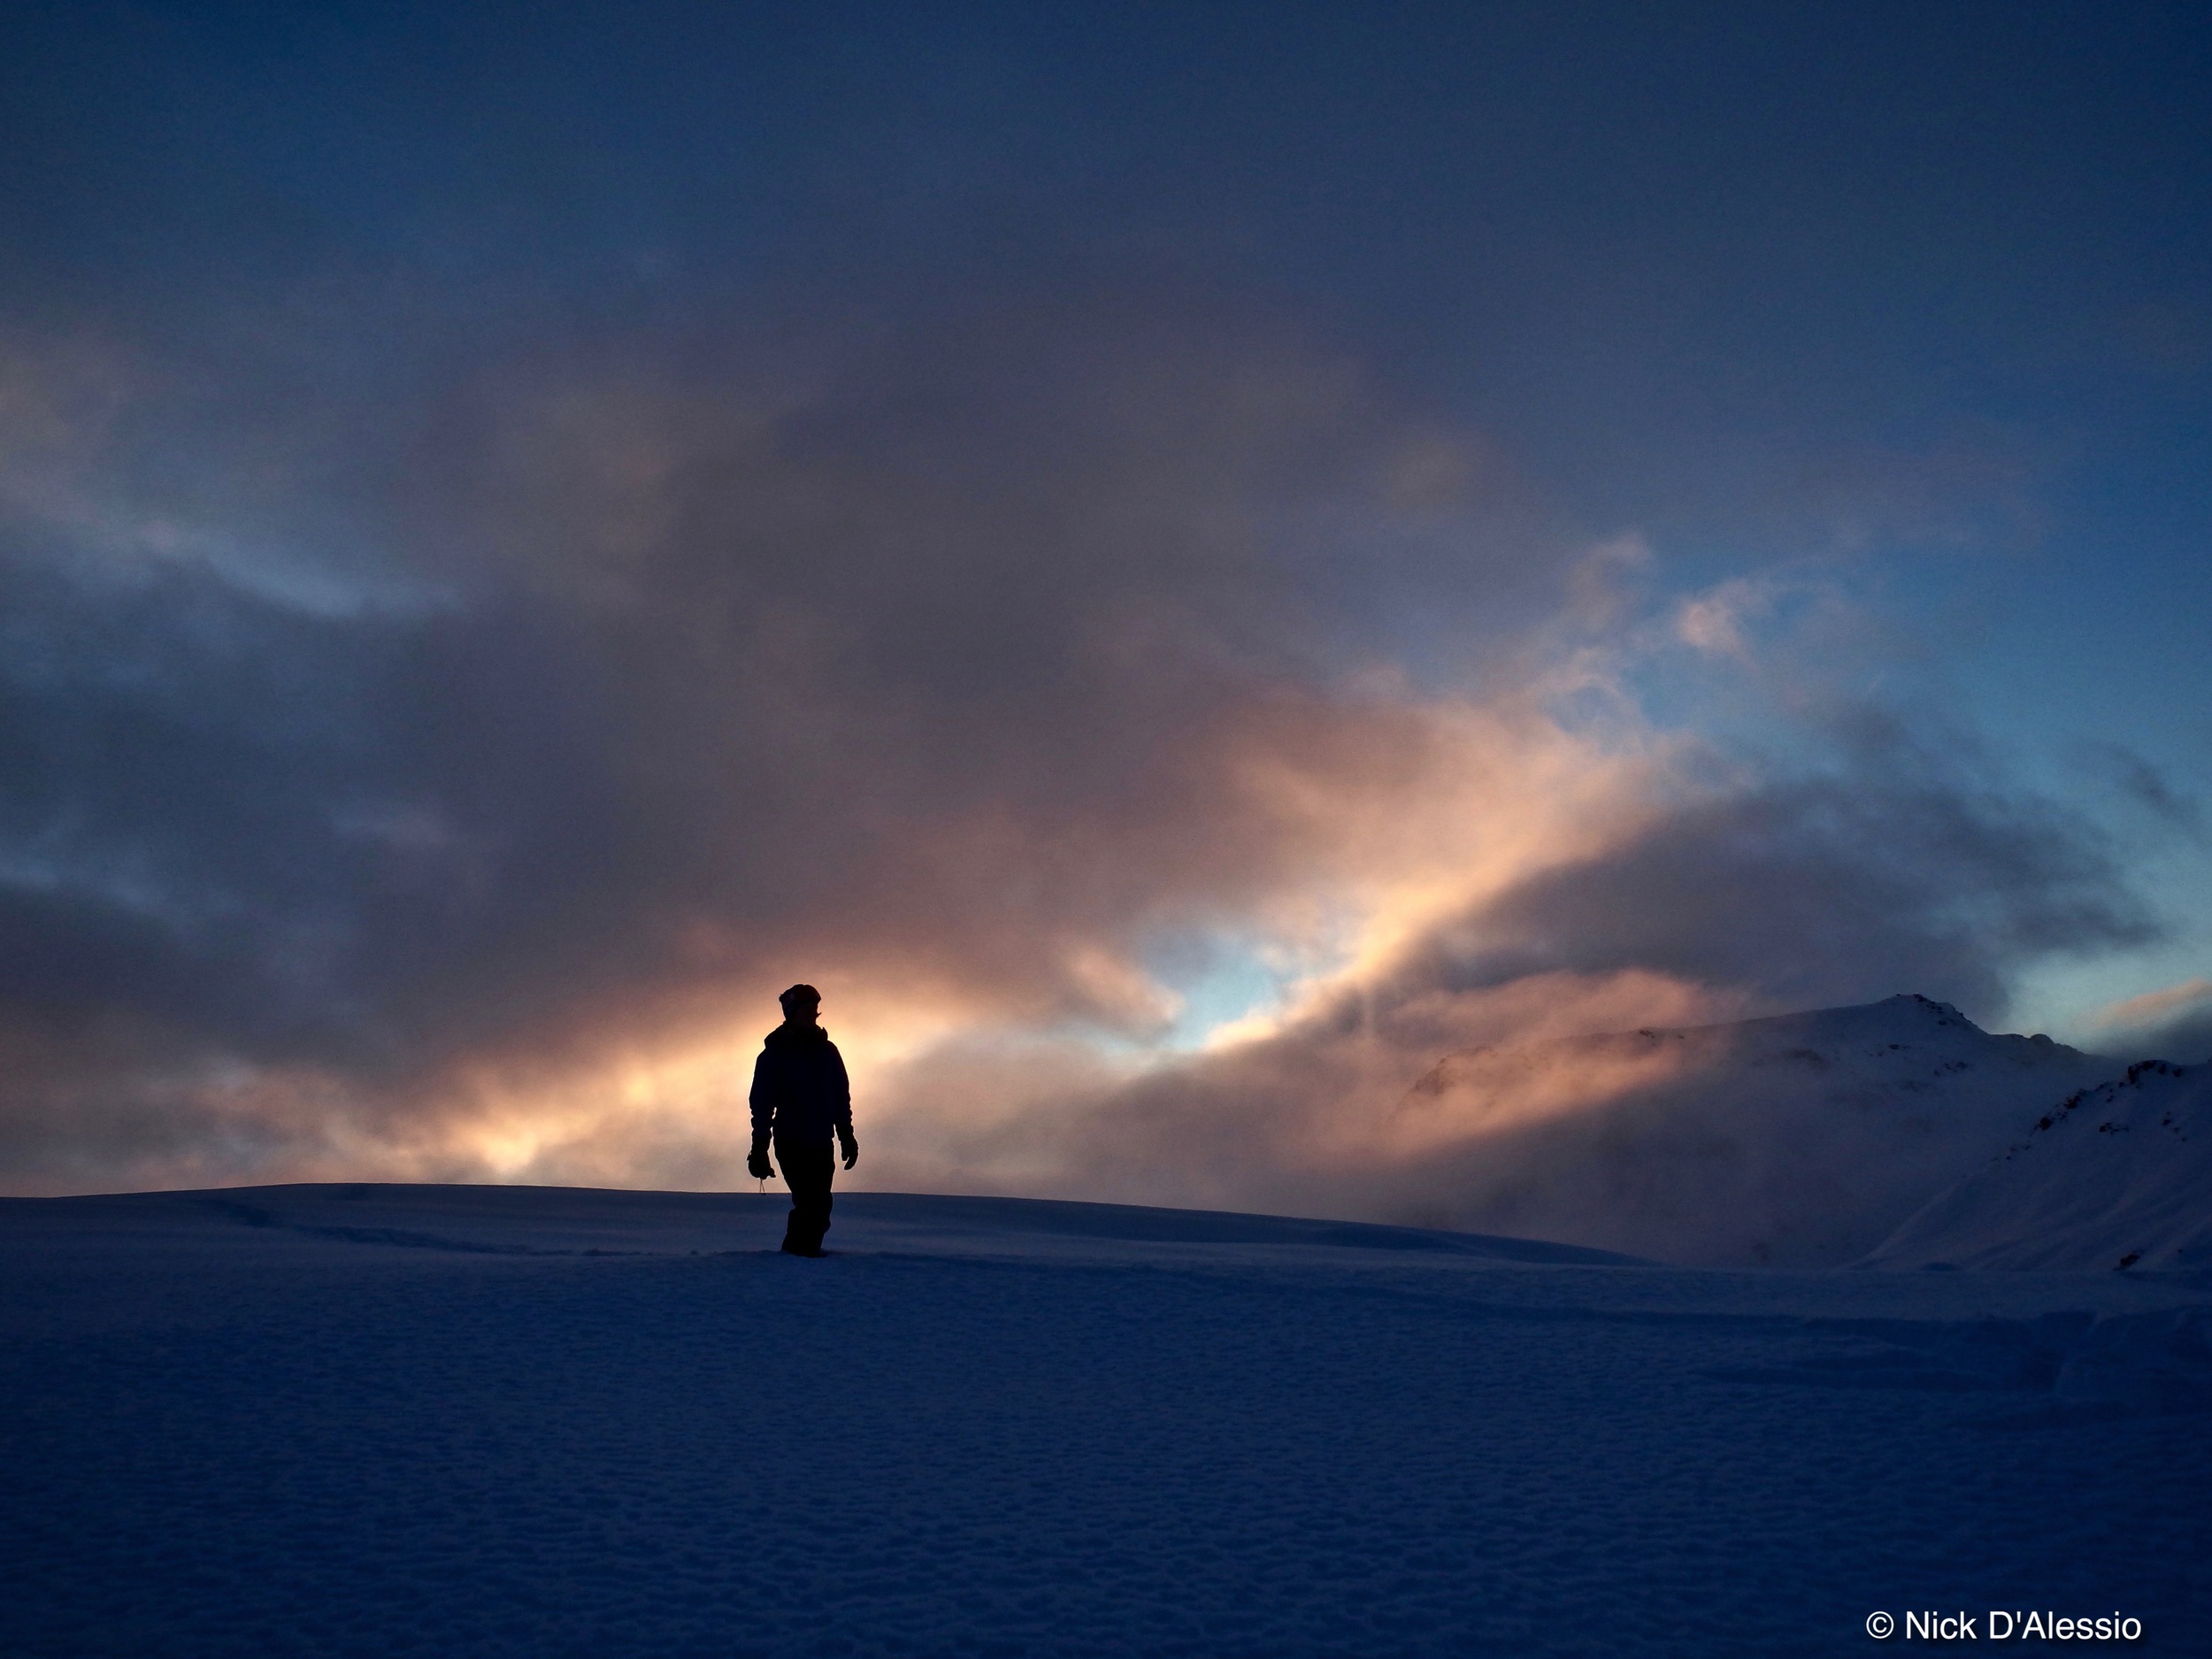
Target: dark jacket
{"points": [[800, 1093]]}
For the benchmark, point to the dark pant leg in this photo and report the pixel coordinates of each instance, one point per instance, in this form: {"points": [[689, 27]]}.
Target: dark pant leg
{"points": [[806, 1171]]}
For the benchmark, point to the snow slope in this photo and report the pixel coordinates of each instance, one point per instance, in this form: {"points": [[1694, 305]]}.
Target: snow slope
{"points": [[465, 1421], [2115, 1176], [1802, 1140]]}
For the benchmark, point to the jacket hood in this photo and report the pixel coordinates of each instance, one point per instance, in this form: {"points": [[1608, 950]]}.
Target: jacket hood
{"points": [[798, 1034]]}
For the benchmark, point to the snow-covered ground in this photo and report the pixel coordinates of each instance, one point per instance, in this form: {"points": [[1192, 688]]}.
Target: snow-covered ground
{"points": [[472, 1421]]}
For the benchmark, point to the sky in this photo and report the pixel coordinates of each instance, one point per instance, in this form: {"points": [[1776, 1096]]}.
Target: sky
{"points": [[1131, 546]]}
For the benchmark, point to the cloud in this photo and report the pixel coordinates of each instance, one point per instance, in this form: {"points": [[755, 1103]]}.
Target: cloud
{"points": [[970, 664], [2153, 1006], [2174, 1022], [2130, 778], [436, 774], [1715, 622], [1900, 868]]}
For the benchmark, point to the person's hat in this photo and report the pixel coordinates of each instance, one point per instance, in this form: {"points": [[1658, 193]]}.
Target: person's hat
{"points": [[800, 996]]}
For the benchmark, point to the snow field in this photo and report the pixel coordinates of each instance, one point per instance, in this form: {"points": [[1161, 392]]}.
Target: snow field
{"points": [[430, 1421]]}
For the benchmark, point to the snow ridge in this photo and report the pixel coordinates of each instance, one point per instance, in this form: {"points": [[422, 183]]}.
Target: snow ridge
{"points": [[2118, 1175]]}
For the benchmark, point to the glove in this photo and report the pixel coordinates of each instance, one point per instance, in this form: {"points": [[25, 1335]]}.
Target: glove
{"points": [[760, 1168], [851, 1149]]}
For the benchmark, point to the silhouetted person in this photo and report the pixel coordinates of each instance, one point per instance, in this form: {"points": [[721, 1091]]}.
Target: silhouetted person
{"points": [[800, 1098]]}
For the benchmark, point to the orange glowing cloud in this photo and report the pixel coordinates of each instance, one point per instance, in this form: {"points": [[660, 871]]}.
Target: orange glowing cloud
{"points": [[2153, 1006]]}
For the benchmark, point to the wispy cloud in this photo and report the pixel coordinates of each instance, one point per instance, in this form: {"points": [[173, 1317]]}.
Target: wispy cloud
{"points": [[2154, 1007]]}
